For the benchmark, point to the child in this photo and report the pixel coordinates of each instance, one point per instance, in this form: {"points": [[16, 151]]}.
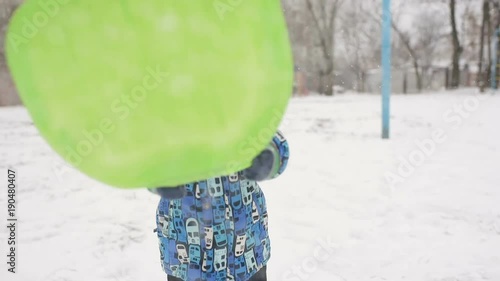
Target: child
{"points": [[217, 229]]}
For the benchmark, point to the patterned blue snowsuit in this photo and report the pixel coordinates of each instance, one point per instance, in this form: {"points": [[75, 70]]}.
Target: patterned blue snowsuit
{"points": [[219, 231]]}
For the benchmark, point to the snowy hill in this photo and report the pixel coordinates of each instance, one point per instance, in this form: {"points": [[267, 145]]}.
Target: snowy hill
{"points": [[333, 215]]}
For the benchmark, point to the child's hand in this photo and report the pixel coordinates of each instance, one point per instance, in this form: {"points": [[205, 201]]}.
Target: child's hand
{"points": [[170, 192], [262, 166]]}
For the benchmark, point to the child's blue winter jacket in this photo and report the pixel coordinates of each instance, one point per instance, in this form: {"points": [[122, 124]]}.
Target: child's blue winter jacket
{"points": [[219, 231]]}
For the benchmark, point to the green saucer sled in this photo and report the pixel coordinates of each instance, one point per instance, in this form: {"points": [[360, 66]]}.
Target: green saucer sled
{"points": [[152, 93]]}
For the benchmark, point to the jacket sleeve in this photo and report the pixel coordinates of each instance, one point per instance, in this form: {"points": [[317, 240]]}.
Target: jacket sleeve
{"points": [[281, 152]]}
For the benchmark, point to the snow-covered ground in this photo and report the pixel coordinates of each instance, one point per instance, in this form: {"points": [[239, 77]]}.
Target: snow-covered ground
{"points": [[422, 206]]}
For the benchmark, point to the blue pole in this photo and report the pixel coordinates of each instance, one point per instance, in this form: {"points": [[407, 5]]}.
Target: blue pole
{"points": [[386, 67], [493, 76]]}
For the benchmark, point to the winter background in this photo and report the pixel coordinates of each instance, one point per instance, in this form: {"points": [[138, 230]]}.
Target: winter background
{"points": [[421, 206]]}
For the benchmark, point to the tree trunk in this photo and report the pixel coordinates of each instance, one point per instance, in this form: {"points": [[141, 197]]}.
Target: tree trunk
{"points": [[418, 75], [405, 84], [488, 37], [326, 84], [406, 42], [325, 27], [447, 78], [362, 82], [8, 92], [457, 49], [480, 73]]}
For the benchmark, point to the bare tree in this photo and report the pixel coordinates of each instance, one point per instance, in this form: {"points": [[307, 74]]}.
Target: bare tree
{"points": [[494, 24], [8, 94], [417, 44], [457, 48], [405, 39], [6, 10], [324, 14], [480, 81], [429, 38], [360, 41]]}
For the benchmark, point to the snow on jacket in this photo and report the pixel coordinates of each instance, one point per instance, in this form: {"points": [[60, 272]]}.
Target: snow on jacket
{"points": [[219, 231]]}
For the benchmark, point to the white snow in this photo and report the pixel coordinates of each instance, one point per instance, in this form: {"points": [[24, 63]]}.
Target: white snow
{"points": [[333, 215]]}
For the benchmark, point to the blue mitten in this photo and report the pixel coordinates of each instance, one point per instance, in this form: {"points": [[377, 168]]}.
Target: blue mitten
{"points": [[264, 165]]}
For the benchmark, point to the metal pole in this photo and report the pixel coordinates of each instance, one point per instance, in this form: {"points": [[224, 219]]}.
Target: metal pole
{"points": [[386, 67]]}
